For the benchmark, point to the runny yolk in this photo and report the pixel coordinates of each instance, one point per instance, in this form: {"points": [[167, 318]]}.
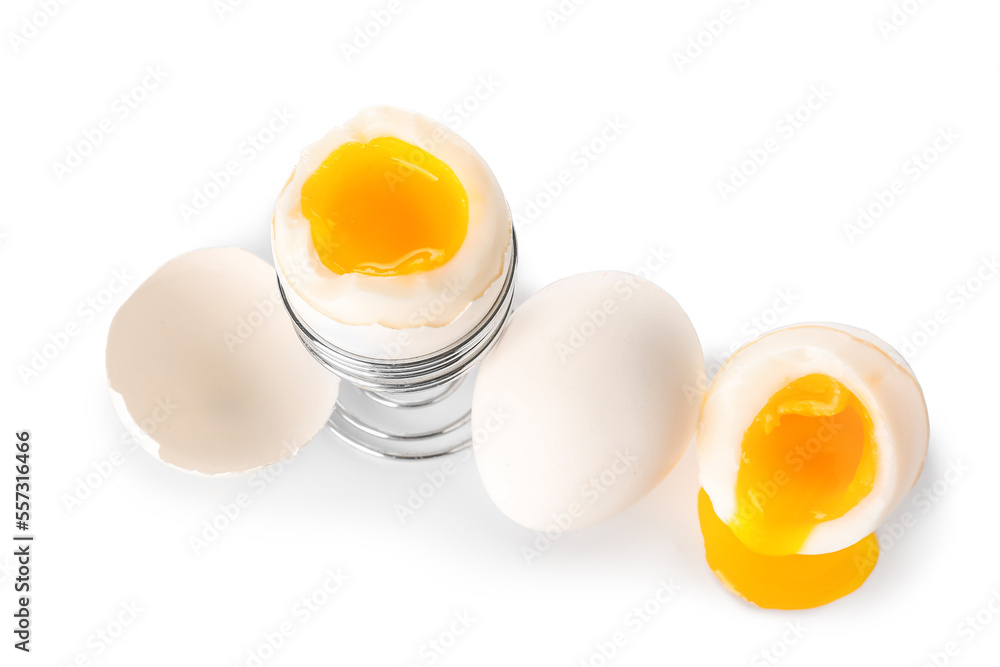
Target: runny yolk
{"points": [[782, 582], [385, 208], [809, 456]]}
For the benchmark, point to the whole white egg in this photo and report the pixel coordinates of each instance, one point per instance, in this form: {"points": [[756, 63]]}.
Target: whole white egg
{"points": [[588, 401]]}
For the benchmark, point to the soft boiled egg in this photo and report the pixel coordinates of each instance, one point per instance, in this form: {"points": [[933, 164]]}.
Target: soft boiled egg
{"points": [[809, 437], [392, 236]]}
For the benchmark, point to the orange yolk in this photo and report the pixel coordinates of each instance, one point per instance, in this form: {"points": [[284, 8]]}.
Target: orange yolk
{"points": [[782, 582], [385, 208], [808, 457]]}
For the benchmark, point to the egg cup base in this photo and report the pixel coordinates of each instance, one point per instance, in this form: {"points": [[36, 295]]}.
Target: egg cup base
{"points": [[419, 425], [415, 408]]}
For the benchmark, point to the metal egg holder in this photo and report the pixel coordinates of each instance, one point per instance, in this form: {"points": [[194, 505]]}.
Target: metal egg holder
{"points": [[415, 408]]}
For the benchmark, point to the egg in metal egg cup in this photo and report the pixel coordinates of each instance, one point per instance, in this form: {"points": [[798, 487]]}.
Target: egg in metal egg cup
{"points": [[396, 261]]}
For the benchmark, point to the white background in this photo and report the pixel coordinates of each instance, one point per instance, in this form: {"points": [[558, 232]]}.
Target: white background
{"points": [[655, 186]]}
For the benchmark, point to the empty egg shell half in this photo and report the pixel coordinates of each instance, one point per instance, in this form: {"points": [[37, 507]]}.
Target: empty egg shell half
{"points": [[588, 400], [205, 369]]}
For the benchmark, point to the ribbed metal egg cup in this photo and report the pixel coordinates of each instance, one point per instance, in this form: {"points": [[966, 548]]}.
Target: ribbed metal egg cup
{"points": [[383, 402]]}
